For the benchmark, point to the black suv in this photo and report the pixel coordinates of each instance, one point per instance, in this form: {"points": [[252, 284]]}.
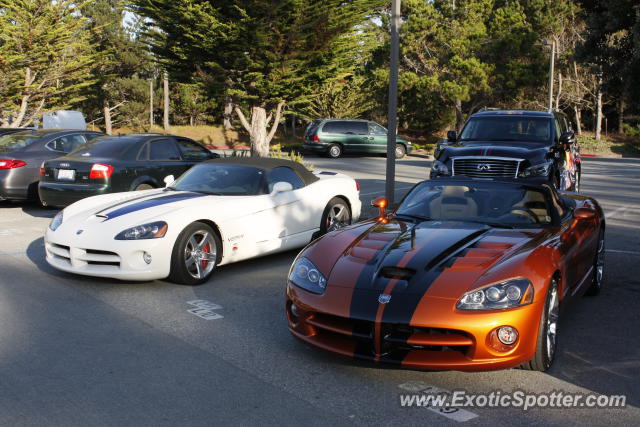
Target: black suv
{"points": [[515, 144]]}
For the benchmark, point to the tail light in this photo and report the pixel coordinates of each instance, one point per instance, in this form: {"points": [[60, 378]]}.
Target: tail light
{"points": [[100, 171], [42, 169], [11, 164], [315, 138], [357, 186]]}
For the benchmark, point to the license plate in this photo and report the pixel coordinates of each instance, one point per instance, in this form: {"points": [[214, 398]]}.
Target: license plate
{"points": [[66, 174]]}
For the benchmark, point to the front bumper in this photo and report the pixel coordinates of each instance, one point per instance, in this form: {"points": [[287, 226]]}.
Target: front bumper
{"points": [[116, 259], [444, 339], [64, 194]]}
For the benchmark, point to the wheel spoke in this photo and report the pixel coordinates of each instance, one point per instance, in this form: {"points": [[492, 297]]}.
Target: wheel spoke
{"points": [[207, 256], [192, 242], [190, 261], [204, 241], [199, 273]]}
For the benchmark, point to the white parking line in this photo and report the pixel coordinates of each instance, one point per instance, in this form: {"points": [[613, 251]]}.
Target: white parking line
{"points": [[617, 251], [615, 212], [456, 414]]}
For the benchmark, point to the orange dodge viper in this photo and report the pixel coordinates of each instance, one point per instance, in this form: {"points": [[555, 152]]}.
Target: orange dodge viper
{"points": [[465, 274]]}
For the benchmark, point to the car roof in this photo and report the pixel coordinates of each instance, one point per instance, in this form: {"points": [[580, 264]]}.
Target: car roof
{"points": [[527, 113], [268, 164]]}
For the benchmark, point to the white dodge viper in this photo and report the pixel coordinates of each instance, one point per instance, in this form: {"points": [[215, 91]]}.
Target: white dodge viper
{"points": [[220, 211]]}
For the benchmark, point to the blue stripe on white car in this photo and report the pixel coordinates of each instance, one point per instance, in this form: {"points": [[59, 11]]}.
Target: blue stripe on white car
{"points": [[151, 203]]}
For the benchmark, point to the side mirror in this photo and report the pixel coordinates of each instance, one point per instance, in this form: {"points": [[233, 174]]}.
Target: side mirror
{"points": [[281, 187], [381, 203], [567, 137], [452, 136], [168, 180], [583, 213]]}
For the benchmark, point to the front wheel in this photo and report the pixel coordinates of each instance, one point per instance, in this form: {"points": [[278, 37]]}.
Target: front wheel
{"points": [[334, 151], [547, 332], [598, 268], [335, 216], [195, 254]]}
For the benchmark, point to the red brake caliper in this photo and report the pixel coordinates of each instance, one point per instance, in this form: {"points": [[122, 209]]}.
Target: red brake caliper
{"points": [[205, 250]]}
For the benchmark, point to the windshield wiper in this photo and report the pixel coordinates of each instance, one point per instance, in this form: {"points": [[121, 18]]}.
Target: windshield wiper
{"points": [[417, 218]]}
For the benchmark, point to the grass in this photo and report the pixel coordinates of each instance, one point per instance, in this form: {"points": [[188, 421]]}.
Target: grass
{"points": [[612, 145]]}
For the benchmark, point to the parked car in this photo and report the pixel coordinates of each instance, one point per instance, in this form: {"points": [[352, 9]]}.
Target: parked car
{"points": [[219, 212], [22, 154], [465, 275], [334, 137], [517, 144], [113, 164], [6, 131]]}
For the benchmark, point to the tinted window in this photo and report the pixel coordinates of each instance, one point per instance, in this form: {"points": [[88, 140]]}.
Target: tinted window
{"points": [[104, 147], [376, 129], [228, 180], [507, 128], [90, 136], [192, 151], [356, 128], [163, 149], [333, 127], [17, 142], [67, 143], [312, 127], [284, 174]]}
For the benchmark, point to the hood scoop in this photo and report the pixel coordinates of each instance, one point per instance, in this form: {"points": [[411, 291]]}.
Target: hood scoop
{"points": [[397, 273]]}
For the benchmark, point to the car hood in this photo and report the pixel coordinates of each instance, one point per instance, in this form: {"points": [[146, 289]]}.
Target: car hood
{"points": [[433, 258], [532, 152]]}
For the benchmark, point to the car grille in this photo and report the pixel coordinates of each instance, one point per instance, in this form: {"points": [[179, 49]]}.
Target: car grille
{"points": [[394, 337], [485, 167], [79, 257]]}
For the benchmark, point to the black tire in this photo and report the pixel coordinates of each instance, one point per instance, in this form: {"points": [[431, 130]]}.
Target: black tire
{"points": [[598, 267], [143, 186], [334, 151], [401, 151], [336, 215], [189, 260], [546, 344], [576, 186]]}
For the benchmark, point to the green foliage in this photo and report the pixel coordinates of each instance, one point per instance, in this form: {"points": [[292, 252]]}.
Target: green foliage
{"points": [[45, 58]]}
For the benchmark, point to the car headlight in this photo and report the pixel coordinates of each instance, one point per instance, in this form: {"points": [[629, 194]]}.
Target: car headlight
{"points": [[541, 169], [506, 294], [154, 230], [439, 168], [307, 276], [56, 221]]}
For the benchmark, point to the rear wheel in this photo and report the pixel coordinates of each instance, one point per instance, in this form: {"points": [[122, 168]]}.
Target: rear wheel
{"points": [[576, 186], [335, 216], [598, 268], [195, 255], [334, 151], [141, 187], [547, 332], [400, 151]]}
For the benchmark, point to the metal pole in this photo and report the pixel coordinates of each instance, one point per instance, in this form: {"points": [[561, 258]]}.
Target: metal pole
{"points": [[165, 123], [151, 101], [551, 73], [393, 102]]}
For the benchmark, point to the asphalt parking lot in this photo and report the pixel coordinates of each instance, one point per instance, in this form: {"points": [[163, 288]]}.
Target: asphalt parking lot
{"points": [[84, 351]]}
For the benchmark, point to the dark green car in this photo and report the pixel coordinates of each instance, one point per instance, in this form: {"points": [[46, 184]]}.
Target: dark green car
{"points": [[334, 137]]}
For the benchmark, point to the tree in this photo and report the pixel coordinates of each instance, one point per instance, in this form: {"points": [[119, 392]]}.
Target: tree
{"points": [[45, 58], [265, 53]]}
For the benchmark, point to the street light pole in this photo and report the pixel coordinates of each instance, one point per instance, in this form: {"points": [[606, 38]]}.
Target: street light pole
{"points": [[393, 102], [551, 73]]}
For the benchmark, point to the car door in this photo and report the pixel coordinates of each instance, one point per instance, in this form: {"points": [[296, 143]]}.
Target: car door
{"points": [[377, 137], [358, 137], [165, 159], [288, 209]]}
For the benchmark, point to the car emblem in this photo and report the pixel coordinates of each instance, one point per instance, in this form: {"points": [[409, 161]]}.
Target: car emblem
{"points": [[384, 298], [483, 167], [64, 165], [79, 232]]}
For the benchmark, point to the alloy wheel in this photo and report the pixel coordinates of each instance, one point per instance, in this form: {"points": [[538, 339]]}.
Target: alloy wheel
{"points": [[553, 311], [338, 217], [200, 254]]}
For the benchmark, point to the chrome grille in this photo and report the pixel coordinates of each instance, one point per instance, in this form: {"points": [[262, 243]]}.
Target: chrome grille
{"points": [[485, 167]]}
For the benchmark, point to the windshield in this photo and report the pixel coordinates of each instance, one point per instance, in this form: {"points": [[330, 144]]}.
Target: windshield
{"points": [[14, 142], [507, 128], [224, 180], [104, 147], [505, 204]]}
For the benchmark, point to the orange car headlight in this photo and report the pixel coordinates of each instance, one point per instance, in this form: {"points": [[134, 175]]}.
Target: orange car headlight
{"points": [[506, 294]]}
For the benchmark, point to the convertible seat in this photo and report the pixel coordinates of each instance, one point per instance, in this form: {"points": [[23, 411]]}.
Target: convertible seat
{"points": [[453, 203], [534, 201]]}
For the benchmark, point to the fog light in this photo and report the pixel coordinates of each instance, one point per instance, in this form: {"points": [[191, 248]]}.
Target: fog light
{"points": [[294, 311], [507, 335], [146, 257]]}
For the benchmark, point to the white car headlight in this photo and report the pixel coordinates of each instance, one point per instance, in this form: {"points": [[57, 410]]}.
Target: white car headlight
{"points": [[154, 230], [307, 276], [56, 221], [507, 294], [541, 169]]}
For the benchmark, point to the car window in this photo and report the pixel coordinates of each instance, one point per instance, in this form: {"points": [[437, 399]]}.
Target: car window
{"points": [[284, 174], [334, 127], [91, 136], [357, 128], [13, 142], [376, 129], [192, 151], [67, 143], [312, 128], [220, 179], [163, 149], [558, 131], [110, 147]]}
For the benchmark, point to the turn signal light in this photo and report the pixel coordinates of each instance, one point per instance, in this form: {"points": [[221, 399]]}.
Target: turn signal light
{"points": [[11, 164], [100, 171], [42, 169]]}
